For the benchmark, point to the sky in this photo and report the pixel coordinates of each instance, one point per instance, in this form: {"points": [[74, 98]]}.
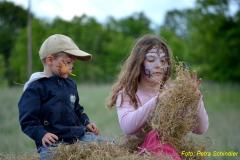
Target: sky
{"points": [[101, 9]]}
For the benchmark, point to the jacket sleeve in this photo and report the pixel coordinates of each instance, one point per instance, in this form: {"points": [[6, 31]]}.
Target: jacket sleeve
{"points": [[79, 110], [130, 119], [29, 114]]}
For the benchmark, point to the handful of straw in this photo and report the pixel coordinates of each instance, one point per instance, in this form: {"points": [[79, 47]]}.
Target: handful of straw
{"points": [[175, 114]]}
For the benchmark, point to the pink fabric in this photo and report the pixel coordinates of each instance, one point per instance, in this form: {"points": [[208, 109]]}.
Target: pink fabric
{"points": [[130, 119], [153, 145]]}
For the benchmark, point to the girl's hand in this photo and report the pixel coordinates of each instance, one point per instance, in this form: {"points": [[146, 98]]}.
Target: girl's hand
{"points": [[197, 83], [49, 139], [93, 128], [160, 95], [196, 80]]}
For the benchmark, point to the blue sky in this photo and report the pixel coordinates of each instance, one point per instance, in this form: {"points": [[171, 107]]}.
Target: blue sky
{"points": [[101, 9]]}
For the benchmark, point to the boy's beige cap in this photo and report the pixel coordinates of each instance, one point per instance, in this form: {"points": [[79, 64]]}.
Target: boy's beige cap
{"points": [[61, 43]]}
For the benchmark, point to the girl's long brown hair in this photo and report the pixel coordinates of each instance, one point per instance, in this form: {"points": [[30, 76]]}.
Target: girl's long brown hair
{"points": [[130, 74]]}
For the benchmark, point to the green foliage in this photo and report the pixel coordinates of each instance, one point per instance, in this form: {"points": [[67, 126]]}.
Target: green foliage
{"points": [[18, 59], [134, 25], [12, 19], [209, 37], [109, 46], [206, 37], [2, 71]]}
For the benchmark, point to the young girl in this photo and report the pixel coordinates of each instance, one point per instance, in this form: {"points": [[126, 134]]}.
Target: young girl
{"points": [[136, 92]]}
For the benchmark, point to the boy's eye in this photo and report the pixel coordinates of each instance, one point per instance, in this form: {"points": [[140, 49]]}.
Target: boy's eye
{"points": [[67, 61]]}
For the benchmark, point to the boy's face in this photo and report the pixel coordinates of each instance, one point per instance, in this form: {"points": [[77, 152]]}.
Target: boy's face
{"points": [[61, 64], [155, 65]]}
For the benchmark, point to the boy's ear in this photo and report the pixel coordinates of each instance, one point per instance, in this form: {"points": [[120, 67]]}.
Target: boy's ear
{"points": [[49, 59]]}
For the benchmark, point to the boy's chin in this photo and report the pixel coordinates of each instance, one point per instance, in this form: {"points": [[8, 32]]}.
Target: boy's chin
{"points": [[64, 76]]}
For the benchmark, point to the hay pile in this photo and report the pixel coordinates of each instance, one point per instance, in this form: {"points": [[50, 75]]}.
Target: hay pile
{"points": [[99, 151]]}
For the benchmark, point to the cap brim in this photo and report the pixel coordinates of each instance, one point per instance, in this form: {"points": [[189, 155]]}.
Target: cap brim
{"points": [[81, 55]]}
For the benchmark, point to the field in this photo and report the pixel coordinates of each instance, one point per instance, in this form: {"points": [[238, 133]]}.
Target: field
{"points": [[221, 101]]}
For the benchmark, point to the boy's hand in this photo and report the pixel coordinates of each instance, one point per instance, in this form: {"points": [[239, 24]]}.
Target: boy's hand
{"points": [[93, 128], [49, 138]]}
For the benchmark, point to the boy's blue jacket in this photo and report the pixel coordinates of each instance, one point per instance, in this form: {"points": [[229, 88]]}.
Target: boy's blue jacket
{"points": [[52, 105]]}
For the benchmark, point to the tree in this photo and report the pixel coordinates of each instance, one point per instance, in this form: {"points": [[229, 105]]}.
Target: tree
{"points": [[18, 58], [135, 25], [211, 38], [12, 19]]}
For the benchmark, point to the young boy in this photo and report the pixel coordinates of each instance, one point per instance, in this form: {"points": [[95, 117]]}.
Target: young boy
{"points": [[49, 109]]}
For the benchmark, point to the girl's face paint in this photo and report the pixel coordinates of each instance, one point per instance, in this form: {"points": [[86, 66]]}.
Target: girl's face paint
{"points": [[155, 65]]}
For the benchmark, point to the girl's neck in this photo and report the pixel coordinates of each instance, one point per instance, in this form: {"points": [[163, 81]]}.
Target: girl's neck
{"points": [[148, 87]]}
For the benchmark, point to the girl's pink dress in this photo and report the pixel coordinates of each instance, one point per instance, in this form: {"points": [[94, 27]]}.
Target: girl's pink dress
{"points": [[153, 145]]}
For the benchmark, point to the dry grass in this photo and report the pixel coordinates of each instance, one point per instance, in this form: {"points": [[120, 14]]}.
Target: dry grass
{"points": [[175, 114], [90, 151], [99, 151]]}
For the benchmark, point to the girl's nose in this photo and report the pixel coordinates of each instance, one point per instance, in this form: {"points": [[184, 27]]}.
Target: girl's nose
{"points": [[157, 64]]}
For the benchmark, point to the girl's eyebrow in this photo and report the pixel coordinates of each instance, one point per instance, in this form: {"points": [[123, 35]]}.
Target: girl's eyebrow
{"points": [[153, 50], [151, 53], [162, 54]]}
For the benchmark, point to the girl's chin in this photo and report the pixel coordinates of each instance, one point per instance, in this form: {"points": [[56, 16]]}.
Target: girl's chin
{"points": [[156, 80]]}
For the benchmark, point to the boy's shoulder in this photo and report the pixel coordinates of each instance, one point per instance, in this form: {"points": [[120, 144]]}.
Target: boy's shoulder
{"points": [[50, 82], [71, 80], [37, 83]]}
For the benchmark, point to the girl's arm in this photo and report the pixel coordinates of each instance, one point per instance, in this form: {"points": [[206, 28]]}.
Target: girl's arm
{"points": [[202, 119], [131, 119]]}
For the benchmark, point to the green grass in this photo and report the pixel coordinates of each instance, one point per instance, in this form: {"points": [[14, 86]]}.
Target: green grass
{"points": [[221, 101], [223, 105]]}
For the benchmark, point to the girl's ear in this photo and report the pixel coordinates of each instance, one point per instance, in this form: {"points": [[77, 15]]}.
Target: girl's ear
{"points": [[49, 59]]}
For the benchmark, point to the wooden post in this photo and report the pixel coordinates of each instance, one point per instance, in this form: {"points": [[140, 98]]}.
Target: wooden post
{"points": [[29, 40]]}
